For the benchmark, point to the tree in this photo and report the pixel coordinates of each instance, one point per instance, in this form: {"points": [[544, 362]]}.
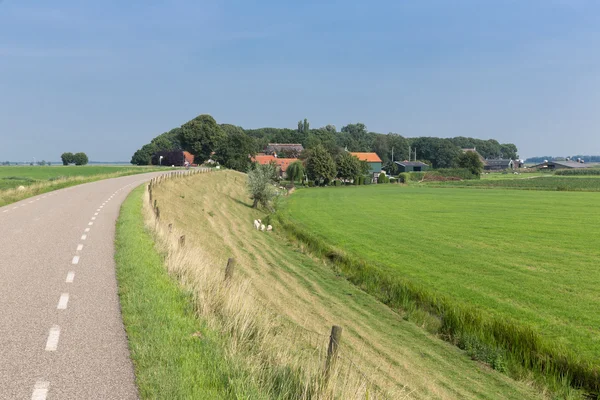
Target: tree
{"points": [[42, 163], [80, 158], [201, 136], [471, 161], [509, 150], [235, 151], [67, 158], [306, 126], [295, 171], [356, 138], [319, 165], [144, 155], [348, 166], [260, 185]]}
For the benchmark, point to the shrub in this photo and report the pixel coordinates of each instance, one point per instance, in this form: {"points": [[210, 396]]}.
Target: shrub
{"points": [[580, 171], [356, 180], [404, 177], [393, 180], [311, 183], [462, 173], [368, 180], [381, 178]]}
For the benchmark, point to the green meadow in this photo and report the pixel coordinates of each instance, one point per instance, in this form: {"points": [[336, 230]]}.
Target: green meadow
{"points": [[529, 182], [521, 264]]}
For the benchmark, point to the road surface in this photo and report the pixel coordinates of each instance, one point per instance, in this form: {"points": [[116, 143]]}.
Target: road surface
{"points": [[61, 332]]}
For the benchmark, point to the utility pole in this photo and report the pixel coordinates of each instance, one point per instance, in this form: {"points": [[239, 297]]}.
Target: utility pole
{"points": [[409, 153], [392, 155]]}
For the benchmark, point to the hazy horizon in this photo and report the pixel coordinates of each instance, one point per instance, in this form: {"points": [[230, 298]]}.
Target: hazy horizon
{"points": [[105, 78]]}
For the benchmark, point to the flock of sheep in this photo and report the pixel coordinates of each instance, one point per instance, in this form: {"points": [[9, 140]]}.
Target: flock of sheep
{"points": [[261, 227]]}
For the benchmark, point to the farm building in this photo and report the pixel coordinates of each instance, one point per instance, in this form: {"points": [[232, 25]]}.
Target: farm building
{"points": [[176, 158], [282, 163], [292, 150], [411, 166], [553, 165], [498, 165], [372, 159]]}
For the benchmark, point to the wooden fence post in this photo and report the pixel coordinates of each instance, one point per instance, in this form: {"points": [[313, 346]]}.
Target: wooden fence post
{"points": [[229, 269], [170, 228], [182, 241], [332, 351], [157, 213]]}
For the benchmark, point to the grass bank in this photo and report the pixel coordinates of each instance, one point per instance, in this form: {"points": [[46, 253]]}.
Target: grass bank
{"points": [[38, 180], [289, 300], [175, 355], [495, 279]]}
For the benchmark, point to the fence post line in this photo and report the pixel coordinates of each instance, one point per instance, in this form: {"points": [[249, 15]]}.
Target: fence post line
{"points": [[170, 228], [182, 241], [332, 350], [157, 213], [229, 269]]}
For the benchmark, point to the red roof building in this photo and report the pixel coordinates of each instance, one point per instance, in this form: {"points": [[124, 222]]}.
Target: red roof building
{"points": [[282, 163]]}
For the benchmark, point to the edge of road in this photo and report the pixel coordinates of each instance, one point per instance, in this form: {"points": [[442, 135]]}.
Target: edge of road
{"points": [[175, 355]]}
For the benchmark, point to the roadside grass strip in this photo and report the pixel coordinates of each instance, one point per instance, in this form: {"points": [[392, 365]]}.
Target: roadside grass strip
{"points": [[174, 354]]}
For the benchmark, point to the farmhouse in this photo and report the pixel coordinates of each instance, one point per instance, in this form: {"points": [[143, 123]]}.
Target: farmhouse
{"points": [[411, 166], [284, 149], [176, 158], [372, 159], [496, 164], [282, 163], [553, 165]]}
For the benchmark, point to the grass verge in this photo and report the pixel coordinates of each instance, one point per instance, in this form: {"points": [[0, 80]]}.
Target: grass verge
{"points": [[175, 355]]}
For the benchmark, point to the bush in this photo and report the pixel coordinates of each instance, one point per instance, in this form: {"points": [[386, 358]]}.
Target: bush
{"points": [[381, 178], [579, 171], [311, 183], [404, 177], [393, 180], [368, 180], [462, 173], [356, 180]]}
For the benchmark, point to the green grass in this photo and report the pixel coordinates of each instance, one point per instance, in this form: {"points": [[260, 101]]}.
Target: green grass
{"points": [[37, 180], [15, 176], [174, 354], [510, 271], [528, 182]]}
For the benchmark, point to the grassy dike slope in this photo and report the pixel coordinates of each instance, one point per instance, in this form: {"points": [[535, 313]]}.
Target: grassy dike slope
{"points": [[174, 354], [213, 211]]}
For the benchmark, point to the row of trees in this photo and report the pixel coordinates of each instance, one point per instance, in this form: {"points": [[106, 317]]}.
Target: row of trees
{"points": [[77, 158], [231, 145]]}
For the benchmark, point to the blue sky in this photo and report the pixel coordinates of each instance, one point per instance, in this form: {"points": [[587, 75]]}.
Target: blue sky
{"points": [[105, 77]]}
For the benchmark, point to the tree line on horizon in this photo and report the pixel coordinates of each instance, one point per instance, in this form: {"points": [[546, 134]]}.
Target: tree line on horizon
{"points": [[232, 144]]}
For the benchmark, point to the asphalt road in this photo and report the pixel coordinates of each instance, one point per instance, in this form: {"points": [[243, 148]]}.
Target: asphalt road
{"points": [[61, 332]]}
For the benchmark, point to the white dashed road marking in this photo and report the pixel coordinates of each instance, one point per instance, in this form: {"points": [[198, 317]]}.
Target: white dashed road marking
{"points": [[75, 260], [70, 277], [79, 247], [93, 218], [5, 211], [53, 337], [90, 223], [83, 237], [63, 301], [87, 229], [40, 390]]}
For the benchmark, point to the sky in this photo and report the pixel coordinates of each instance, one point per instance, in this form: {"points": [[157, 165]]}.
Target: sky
{"points": [[105, 77]]}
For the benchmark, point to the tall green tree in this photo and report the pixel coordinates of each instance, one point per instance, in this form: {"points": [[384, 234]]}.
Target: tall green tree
{"points": [[320, 166], [235, 150], [347, 165], [67, 158], [80, 159], [295, 171], [201, 136], [471, 161]]}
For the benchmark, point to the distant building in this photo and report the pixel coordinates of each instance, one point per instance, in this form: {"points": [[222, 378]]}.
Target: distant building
{"points": [[411, 166], [282, 163], [372, 159], [553, 165], [497, 164], [177, 158], [291, 150]]}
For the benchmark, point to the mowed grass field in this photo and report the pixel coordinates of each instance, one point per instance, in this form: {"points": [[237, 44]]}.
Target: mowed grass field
{"points": [[529, 182], [15, 176], [524, 256], [38, 179]]}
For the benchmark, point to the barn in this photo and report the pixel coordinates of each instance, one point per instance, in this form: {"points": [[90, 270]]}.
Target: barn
{"points": [[411, 166]]}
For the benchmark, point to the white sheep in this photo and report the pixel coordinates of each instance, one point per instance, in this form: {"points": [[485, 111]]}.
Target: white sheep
{"points": [[256, 224], [269, 228], [262, 227]]}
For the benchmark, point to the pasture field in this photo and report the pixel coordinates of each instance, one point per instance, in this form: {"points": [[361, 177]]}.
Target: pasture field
{"points": [[38, 179], [289, 300], [528, 182], [527, 259]]}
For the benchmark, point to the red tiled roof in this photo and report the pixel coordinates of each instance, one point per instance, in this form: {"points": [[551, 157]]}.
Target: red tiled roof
{"points": [[282, 163], [189, 157], [368, 157]]}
